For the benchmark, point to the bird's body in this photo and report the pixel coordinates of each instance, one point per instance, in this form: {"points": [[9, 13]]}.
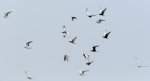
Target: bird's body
{"points": [[66, 58], [102, 11], [106, 34], [88, 13], [100, 21], [73, 40], [28, 45], [89, 63], [65, 32], [94, 48], [6, 14], [73, 18], [82, 72], [27, 75], [138, 63]]}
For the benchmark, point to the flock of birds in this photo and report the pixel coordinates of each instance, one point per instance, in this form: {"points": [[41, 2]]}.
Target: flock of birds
{"points": [[73, 41]]}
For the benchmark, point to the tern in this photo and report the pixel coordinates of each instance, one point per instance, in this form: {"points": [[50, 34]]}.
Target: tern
{"points": [[138, 63], [88, 13], [100, 21], [27, 75], [86, 56], [65, 32], [94, 48], [6, 14], [82, 72], [73, 18], [89, 62], [28, 45], [73, 40], [66, 58], [106, 34], [102, 11]]}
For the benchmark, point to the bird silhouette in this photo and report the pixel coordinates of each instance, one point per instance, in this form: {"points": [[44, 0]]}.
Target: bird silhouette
{"points": [[28, 45], [106, 34], [65, 32], [73, 18], [100, 21], [66, 58], [94, 48], [82, 72], [88, 13], [73, 40], [6, 14], [102, 11], [89, 62], [27, 75], [138, 63]]}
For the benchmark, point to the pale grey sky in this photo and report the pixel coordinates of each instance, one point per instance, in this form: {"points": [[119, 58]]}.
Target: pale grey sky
{"points": [[42, 22]]}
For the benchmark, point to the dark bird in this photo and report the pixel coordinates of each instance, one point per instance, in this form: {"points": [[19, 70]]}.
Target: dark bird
{"points": [[102, 11], [100, 21], [106, 34], [66, 58], [73, 18], [94, 48], [6, 14], [89, 63], [73, 40], [65, 32], [28, 45], [86, 56], [88, 13]]}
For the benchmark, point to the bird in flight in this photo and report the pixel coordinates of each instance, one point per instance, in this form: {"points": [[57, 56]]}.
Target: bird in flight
{"points": [[89, 62], [100, 21], [73, 18], [6, 14], [102, 11], [73, 40], [28, 45], [138, 63], [88, 13], [66, 58], [94, 48], [86, 56], [82, 72], [27, 75], [106, 34], [65, 32]]}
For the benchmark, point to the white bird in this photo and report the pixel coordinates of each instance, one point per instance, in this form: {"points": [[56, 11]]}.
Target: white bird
{"points": [[88, 13], [82, 72], [66, 58], [27, 75], [86, 56], [65, 32], [73, 40], [6, 14], [102, 11], [138, 63], [106, 34], [28, 45]]}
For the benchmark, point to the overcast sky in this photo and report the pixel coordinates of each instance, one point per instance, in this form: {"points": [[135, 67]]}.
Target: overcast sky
{"points": [[41, 21]]}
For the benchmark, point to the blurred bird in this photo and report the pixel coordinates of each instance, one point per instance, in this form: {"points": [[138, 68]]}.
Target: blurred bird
{"points": [[102, 11], [88, 13], [100, 21], [89, 62], [73, 40], [106, 34], [94, 48], [6, 14], [27, 75], [82, 72], [28, 45], [65, 32], [86, 56], [66, 58], [73, 18], [138, 63]]}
